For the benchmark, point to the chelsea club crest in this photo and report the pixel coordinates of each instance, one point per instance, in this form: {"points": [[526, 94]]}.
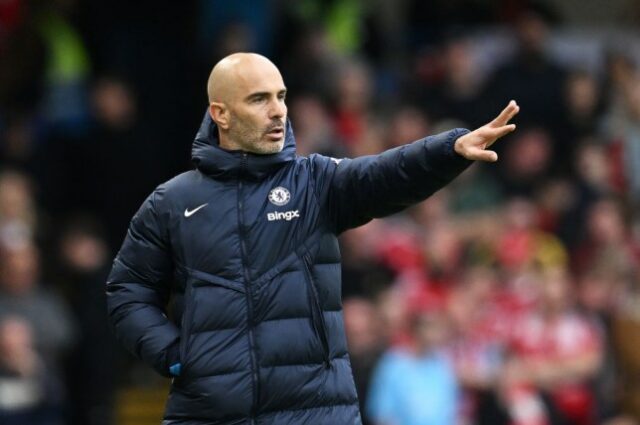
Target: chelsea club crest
{"points": [[279, 196]]}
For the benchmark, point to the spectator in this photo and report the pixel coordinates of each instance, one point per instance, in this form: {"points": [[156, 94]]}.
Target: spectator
{"points": [[416, 385], [353, 99], [84, 268], [456, 90], [606, 240], [314, 129], [623, 117], [557, 351], [365, 338], [18, 218], [527, 161], [584, 109], [50, 328], [531, 75], [522, 245], [28, 394], [478, 335]]}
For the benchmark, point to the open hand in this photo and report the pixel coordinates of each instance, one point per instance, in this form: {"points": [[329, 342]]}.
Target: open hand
{"points": [[474, 145]]}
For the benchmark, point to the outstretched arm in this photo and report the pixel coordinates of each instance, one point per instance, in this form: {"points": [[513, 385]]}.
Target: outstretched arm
{"points": [[357, 190]]}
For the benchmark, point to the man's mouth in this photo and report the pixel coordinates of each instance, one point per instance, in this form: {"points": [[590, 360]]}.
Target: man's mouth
{"points": [[276, 133]]}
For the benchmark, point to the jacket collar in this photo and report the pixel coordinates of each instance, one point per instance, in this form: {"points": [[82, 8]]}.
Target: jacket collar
{"points": [[223, 164]]}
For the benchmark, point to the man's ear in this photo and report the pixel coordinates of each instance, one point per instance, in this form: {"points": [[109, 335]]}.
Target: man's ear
{"points": [[219, 114]]}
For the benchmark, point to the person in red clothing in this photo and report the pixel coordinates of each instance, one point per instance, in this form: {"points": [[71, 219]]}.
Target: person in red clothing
{"points": [[556, 352]]}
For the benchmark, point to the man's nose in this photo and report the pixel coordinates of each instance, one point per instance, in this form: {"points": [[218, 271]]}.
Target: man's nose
{"points": [[278, 109]]}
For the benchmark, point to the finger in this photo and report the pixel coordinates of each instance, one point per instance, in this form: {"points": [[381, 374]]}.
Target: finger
{"points": [[504, 130], [482, 155], [493, 134], [488, 156], [507, 113]]}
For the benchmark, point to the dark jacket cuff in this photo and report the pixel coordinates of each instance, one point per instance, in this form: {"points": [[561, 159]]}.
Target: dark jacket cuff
{"points": [[442, 156], [172, 359]]}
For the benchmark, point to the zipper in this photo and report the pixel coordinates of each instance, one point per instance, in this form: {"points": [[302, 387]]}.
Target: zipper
{"points": [[187, 317], [243, 251], [317, 318]]}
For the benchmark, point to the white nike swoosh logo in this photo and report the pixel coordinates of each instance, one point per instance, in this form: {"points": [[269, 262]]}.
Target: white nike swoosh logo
{"points": [[188, 213]]}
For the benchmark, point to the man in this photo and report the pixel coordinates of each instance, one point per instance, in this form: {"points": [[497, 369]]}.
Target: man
{"points": [[244, 252], [416, 384]]}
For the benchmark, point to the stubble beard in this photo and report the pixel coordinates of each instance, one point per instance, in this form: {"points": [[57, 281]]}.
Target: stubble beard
{"points": [[251, 139]]}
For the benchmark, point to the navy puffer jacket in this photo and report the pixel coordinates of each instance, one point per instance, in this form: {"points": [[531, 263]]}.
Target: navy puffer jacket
{"points": [[243, 254]]}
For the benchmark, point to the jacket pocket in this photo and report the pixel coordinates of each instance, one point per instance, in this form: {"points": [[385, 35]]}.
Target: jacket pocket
{"points": [[198, 298], [317, 318]]}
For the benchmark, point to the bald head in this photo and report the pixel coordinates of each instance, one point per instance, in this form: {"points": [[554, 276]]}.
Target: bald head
{"points": [[234, 69], [246, 101]]}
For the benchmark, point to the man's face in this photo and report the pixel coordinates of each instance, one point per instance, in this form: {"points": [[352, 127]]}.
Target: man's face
{"points": [[257, 110]]}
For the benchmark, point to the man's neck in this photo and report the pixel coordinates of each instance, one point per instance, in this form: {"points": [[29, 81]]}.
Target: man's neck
{"points": [[226, 143]]}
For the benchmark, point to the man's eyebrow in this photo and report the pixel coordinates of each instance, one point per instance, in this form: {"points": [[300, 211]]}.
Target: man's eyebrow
{"points": [[264, 93], [258, 94]]}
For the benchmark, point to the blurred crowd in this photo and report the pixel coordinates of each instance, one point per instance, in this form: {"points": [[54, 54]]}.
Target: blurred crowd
{"points": [[510, 297]]}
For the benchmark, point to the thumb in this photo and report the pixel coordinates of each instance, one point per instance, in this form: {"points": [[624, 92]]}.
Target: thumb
{"points": [[485, 155]]}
